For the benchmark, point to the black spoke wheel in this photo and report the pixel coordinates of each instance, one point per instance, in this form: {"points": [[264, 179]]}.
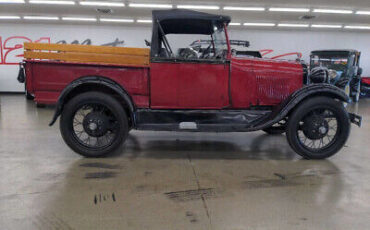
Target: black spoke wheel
{"points": [[318, 128], [93, 124]]}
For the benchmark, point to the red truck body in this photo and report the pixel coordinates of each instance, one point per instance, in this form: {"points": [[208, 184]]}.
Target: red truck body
{"points": [[243, 83]]}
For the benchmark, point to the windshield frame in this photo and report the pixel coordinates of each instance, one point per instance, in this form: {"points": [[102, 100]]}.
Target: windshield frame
{"points": [[219, 44]]}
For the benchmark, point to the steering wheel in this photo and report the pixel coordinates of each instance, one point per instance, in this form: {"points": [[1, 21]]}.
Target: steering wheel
{"points": [[188, 53], [206, 52]]}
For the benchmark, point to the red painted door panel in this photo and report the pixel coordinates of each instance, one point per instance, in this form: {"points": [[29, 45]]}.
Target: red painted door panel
{"points": [[189, 85], [243, 83]]}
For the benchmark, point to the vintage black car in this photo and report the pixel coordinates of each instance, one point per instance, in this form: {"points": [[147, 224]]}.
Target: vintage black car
{"points": [[343, 69]]}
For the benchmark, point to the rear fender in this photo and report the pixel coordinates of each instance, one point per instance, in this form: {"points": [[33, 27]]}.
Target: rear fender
{"points": [[306, 92], [71, 90]]}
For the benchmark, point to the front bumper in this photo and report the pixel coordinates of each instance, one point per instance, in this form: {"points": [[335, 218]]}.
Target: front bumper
{"points": [[355, 119]]}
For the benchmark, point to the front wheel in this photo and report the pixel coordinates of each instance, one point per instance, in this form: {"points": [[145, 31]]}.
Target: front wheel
{"points": [[94, 124], [318, 128]]}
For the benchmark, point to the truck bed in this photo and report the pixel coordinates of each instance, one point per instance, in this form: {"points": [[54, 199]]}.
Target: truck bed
{"points": [[46, 79], [50, 68]]}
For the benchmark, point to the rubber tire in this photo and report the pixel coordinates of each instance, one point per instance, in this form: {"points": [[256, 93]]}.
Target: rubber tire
{"points": [[66, 122], [303, 109], [274, 130]]}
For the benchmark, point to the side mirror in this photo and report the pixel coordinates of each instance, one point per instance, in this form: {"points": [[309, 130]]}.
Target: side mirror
{"points": [[147, 43], [359, 71]]}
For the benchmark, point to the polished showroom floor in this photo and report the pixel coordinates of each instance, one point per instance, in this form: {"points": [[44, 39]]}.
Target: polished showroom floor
{"points": [[167, 181]]}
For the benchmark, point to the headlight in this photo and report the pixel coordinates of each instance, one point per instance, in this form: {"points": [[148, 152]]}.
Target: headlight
{"points": [[332, 74]]}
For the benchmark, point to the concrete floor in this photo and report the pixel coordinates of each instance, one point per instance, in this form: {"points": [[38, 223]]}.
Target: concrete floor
{"points": [[163, 180]]}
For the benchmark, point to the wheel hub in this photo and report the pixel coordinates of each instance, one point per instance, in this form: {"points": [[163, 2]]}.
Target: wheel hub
{"points": [[315, 127], [95, 124]]}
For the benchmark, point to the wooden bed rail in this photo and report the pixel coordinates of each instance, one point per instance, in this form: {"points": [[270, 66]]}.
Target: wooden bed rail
{"points": [[87, 54]]}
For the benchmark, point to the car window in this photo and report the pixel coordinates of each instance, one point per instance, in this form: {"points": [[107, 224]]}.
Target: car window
{"points": [[335, 62], [183, 48]]}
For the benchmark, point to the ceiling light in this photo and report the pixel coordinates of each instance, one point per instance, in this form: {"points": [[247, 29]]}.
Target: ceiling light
{"points": [[142, 5], [244, 8], [234, 24], [329, 11], [5, 17], [52, 2], [325, 26], [289, 9], [40, 18], [115, 20], [11, 1], [259, 24], [292, 25], [357, 27], [78, 19], [198, 7], [96, 3], [144, 21], [363, 12]]}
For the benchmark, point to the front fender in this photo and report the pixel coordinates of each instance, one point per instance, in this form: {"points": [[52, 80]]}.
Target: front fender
{"points": [[90, 80], [282, 111], [321, 89]]}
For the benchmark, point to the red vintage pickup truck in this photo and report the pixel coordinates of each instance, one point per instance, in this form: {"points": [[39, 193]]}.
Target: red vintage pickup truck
{"points": [[103, 94]]}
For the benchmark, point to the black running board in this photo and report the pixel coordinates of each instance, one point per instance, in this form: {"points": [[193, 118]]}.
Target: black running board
{"points": [[193, 127], [199, 120]]}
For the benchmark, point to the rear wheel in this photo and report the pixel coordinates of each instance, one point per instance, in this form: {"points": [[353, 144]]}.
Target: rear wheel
{"points": [[93, 124], [318, 128]]}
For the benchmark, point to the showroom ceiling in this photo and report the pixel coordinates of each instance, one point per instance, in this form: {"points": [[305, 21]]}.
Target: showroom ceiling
{"points": [[333, 14]]}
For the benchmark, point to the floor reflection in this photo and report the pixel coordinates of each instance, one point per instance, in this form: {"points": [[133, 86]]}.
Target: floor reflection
{"points": [[255, 147]]}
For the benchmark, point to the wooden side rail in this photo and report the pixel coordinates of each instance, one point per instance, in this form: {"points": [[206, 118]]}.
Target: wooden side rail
{"points": [[87, 54]]}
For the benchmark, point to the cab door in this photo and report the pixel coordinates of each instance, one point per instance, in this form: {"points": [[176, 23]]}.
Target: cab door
{"points": [[189, 84]]}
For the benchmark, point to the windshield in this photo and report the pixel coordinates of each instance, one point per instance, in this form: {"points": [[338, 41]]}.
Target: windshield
{"points": [[334, 62], [219, 39]]}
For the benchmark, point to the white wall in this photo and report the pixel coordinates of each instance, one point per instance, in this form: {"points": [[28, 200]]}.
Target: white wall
{"points": [[280, 41], [285, 41], [98, 34]]}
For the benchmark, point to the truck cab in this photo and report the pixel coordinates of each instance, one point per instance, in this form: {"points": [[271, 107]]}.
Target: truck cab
{"points": [[211, 78]]}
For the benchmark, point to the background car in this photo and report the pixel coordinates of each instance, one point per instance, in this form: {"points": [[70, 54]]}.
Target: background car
{"points": [[343, 69]]}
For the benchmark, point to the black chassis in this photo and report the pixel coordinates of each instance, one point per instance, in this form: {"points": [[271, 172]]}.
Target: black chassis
{"points": [[226, 120]]}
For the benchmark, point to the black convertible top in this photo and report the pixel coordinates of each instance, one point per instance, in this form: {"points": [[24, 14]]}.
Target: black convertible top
{"points": [[181, 21]]}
